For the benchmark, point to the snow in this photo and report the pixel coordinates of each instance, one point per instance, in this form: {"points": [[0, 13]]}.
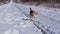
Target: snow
{"points": [[11, 22], [12, 19], [2, 7], [46, 17]]}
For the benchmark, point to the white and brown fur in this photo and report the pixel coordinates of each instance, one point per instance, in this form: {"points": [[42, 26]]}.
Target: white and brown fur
{"points": [[32, 15]]}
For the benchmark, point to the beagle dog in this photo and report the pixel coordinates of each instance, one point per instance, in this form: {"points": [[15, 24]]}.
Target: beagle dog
{"points": [[33, 14]]}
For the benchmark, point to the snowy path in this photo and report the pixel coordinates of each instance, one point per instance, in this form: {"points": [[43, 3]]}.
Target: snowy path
{"points": [[11, 20]]}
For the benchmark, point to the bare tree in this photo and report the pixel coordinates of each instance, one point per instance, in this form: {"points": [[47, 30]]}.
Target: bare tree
{"points": [[4, 1]]}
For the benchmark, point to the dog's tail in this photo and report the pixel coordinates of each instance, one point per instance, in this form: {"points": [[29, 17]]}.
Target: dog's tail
{"points": [[30, 9]]}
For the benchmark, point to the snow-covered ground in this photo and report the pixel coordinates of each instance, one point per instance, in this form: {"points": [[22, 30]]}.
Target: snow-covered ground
{"points": [[12, 21]]}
